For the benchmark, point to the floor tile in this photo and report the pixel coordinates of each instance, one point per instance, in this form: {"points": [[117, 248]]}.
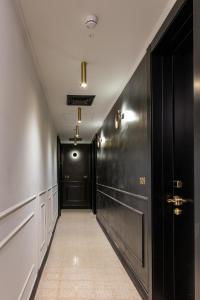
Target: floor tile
{"points": [[82, 264]]}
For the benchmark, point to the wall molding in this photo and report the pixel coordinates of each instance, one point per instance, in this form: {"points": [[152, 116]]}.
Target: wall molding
{"points": [[53, 186], [44, 240], [47, 190], [42, 204], [121, 203], [26, 282], [124, 192], [55, 193], [133, 276], [42, 193], [15, 207], [9, 237]]}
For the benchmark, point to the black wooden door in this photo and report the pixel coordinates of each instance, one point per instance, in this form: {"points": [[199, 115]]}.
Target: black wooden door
{"points": [[173, 165], [75, 180]]}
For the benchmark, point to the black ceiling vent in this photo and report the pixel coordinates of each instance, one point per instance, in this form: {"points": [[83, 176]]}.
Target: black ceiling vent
{"points": [[80, 100], [73, 139]]}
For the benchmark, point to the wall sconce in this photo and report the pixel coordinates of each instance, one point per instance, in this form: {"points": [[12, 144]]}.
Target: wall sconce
{"points": [[98, 142], [79, 115], [83, 74], [77, 131], [118, 117]]}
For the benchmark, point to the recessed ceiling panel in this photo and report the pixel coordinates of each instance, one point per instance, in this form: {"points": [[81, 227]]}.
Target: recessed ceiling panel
{"points": [[80, 100]]}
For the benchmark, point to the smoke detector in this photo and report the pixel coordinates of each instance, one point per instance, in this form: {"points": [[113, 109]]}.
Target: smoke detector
{"points": [[91, 21]]}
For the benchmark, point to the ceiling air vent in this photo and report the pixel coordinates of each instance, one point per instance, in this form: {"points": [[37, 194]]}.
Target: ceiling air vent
{"points": [[80, 100], [73, 139]]}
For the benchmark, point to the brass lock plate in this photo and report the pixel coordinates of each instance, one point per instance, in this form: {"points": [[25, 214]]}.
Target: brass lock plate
{"points": [[178, 184], [142, 180], [177, 211]]}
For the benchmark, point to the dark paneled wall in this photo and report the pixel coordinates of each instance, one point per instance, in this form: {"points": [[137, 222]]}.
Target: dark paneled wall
{"points": [[122, 159]]}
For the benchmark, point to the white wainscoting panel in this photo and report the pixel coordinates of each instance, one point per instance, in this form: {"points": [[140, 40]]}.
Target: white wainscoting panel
{"points": [[42, 217], [25, 232]]}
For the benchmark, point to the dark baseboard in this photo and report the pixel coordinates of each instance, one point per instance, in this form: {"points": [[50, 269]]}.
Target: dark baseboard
{"points": [[128, 269], [33, 293]]}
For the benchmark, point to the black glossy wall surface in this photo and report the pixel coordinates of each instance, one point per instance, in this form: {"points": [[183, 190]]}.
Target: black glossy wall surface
{"points": [[122, 163]]}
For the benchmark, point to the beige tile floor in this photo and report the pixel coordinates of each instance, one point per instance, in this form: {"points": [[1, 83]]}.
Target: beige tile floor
{"points": [[82, 264]]}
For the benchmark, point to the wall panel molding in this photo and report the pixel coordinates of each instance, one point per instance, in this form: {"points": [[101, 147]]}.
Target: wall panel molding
{"points": [[42, 193], [5, 241], [43, 222], [15, 207], [124, 192], [121, 203], [26, 282]]}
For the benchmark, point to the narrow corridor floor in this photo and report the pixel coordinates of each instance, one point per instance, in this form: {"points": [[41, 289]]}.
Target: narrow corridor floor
{"points": [[82, 264]]}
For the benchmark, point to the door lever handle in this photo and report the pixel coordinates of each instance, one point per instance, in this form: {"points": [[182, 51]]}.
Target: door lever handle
{"points": [[85, 176], [177, 200]]}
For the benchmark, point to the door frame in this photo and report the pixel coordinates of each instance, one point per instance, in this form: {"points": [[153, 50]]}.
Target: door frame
{"points": [[64, 181], [196, 72], [93, 173], [196, 34], [58, 174]]}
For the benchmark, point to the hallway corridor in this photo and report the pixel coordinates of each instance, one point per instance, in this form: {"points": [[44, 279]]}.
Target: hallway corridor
{"points": [[82, 264]]}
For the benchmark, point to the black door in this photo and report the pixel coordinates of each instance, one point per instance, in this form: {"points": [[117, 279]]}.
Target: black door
{"points": [[59, 174], [173, 162], [93, 174], [75, 180]]}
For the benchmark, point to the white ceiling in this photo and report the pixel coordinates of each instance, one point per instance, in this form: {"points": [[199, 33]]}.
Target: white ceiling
{"points": [[60, 42]]}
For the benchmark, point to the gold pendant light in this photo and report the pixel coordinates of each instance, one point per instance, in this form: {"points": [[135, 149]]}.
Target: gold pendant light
{"points": [[77, 131], [75, 142], [79, 115], [83, 74]]}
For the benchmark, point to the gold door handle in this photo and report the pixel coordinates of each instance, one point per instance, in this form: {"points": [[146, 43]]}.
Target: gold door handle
{"points": [[177, 201]]}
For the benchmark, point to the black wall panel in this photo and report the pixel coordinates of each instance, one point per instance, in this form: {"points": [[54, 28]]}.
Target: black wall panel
{"points": [[122, 161]]}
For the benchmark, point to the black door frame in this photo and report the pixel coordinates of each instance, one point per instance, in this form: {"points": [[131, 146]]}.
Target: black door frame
{"points": [[58, 174], [67, 183], [196, 59], [93, 173], [196, 30]]}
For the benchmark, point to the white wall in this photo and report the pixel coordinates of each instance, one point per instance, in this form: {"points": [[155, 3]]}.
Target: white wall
{"points": [[28, 191]]}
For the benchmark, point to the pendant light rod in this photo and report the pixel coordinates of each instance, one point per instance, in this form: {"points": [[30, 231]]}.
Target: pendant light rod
{"points": [[83, 74]]}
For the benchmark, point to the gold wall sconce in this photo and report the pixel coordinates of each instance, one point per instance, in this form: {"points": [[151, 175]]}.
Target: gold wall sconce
{"points": [[98, 142], [118, 117]]}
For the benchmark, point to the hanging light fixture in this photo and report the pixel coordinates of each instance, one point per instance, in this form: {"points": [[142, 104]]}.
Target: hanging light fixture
{"points": [[77, 131], [83, 74], [79, 115], [75, 141]]}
